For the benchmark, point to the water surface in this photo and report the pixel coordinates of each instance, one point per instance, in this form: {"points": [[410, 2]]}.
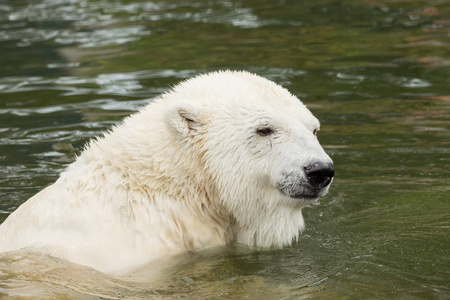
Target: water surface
{"points": [[376, 73]]}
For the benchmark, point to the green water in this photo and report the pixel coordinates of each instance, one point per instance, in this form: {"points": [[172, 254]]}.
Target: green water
{"points": [[376, 73]]}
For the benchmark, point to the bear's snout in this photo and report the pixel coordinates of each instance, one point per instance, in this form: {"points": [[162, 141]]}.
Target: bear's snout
{"points": [[308, 182], [319, 174]]}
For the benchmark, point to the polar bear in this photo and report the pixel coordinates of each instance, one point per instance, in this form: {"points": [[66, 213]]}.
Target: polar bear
{"points": [[226, 157]]}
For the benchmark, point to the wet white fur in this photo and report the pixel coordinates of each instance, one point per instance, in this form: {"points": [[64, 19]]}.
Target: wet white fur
{"points": [[186, 172]]}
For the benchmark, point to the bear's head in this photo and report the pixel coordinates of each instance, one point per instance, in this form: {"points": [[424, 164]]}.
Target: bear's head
{"points": [[256, 144]]}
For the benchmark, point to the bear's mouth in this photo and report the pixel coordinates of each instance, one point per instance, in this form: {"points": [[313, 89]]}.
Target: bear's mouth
{"points": [[305, 197], [311, 196]]}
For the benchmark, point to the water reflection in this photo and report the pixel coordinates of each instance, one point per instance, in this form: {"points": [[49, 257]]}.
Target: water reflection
{"points": [[213, 273], [95, 23]]}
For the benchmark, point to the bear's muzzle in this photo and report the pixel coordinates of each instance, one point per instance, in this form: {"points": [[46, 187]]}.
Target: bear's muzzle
{"points": [[308, 183]]}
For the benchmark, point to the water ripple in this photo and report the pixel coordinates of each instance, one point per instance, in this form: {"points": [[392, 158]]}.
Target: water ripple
{"points": [[104, 23], [126, 84]]}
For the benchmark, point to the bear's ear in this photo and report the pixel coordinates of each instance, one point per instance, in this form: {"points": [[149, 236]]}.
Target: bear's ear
{"points": [[183, 119]]}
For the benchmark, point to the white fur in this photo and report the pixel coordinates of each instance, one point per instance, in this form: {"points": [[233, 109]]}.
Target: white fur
{"points": [[186, 172]]}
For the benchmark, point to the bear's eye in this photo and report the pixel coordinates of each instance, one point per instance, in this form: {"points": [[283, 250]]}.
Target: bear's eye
{"points": [[315, 132], [265, 131]]}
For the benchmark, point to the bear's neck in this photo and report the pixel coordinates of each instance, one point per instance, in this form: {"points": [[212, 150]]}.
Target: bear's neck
{"points": [[270, 227], [158, 174]]}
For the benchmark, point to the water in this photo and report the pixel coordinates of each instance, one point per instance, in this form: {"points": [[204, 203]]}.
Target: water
{"points": [[376, 73]]}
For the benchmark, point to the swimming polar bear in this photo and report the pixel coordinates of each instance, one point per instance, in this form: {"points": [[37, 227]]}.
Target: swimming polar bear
{"points": [[226, 157]]}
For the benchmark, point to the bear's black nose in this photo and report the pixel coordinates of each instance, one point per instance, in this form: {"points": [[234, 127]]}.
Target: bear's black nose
{"points": [[320, 174]]}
